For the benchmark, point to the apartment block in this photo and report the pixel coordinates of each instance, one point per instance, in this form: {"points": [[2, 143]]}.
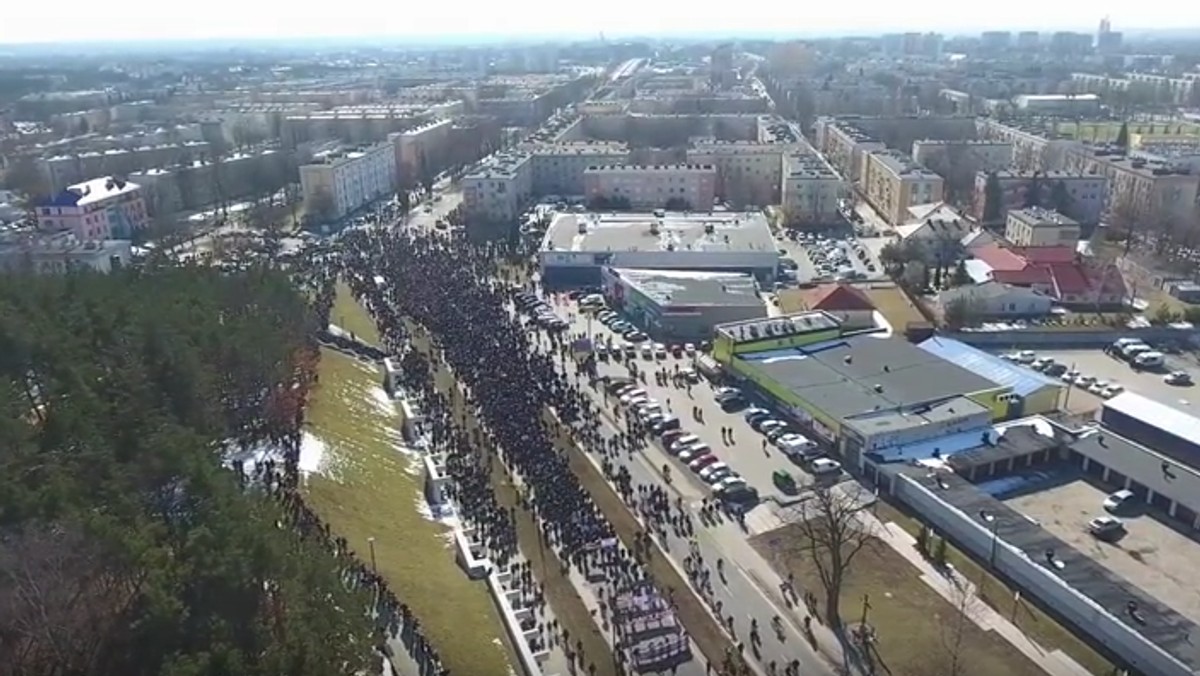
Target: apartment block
{"points": [[99, 209], [342, 181], [1035, 148], [203, 182], [811, 190], [557, 169], [64, 170], [967, 156], [846, 145], [1139, 188], [1087, 194], [56, 254], [1036, 226], [892, 182], [421, 151], [1057, 104], [680, 187], [498, 188]]}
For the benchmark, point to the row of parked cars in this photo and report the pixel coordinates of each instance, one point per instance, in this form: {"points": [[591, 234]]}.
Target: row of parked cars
{"points": [[832, 257], [797, 447], [1047, 365], [685, 447], [540, 312]]}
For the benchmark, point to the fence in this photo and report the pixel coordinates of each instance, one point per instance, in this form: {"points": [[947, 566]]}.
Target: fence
{"points": [[1014, 564], [1067, 339]]}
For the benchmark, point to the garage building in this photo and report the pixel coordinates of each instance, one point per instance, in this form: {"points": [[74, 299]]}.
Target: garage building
{"points": [[577, 247], [682, 306]]}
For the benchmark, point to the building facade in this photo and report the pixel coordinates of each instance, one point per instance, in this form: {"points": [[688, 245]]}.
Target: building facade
{"points": [[99, 209], [967, 156], [1139, 188], [812, 190], [1035, 226], [420, 151], [892, 183], [340, 182], [1086, 194], [498, 189], [846, 146], [673, 186]]}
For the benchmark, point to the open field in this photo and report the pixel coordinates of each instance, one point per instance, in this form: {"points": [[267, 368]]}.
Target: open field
{"points": [[368, 488], [894, 305], [1031, 619], [1152, 555], [918, 632]]}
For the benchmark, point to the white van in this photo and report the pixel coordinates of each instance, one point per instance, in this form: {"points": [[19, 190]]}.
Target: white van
{"points": [[1133, 350], [1149, 360]]}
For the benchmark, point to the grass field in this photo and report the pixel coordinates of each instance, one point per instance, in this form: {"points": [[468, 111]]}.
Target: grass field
{"points": [[369, 489], [1038, 625], [352, 317], [916, 628], [894, 305]]}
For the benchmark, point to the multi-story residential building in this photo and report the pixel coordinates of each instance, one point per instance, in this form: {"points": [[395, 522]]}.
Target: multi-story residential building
{"points": [[420, 151], [203, 182], [846, 145], [1067, 43], [1035, 148], [1087, 194], [341, 181], [966, 155], [892, 183], [995, 41], [64, 170], [558, 168], [497, 190], [99, 209], [811, 190], [1029, 40], [47, 254], [1057, 104], [749, 173], [1035, 226], [682, 187], [1139, 188]]}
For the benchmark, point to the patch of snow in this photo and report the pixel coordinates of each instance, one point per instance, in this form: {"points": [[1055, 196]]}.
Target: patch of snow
{"points": [[312, 453]]}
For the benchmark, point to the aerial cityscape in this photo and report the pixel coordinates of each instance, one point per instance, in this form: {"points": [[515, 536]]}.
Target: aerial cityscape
{"points": [[402, 354]]}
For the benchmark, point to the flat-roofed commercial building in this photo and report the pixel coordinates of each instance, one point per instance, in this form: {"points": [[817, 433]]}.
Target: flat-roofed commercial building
{"points": [[682, 305], [671, 186], [577, 246], [892, 183]]}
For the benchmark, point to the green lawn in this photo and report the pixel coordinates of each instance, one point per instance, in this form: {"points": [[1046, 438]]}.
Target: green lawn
{"points": [[916, 628], [368, 490], [1036, 624], [351, 316]]}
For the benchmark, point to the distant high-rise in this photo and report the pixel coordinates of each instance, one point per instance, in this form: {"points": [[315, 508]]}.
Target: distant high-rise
{"points": [[721, 70], [1108, 41], [1029, 40], [995, 41]]}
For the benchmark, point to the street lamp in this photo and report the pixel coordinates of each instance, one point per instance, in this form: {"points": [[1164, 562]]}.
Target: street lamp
{"points": [[993, 523], [371, 546]]}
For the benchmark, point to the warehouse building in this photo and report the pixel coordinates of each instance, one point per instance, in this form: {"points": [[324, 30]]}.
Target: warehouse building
{"points": [[577, 247], [682, 306], [1033, 392], [875, 399]]}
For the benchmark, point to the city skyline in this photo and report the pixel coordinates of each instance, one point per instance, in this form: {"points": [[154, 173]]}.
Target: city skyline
{"points": [[435, 23]]}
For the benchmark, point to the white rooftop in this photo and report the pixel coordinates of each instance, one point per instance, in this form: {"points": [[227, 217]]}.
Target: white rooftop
{"points": [[721, 232]]}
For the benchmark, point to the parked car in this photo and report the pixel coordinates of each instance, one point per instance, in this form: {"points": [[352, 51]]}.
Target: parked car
{"points": [[1107, 528], [715, 472], [1178, 378], [785, 482], [703, 461], [825, 467], [692, 452], [1119, 500]]}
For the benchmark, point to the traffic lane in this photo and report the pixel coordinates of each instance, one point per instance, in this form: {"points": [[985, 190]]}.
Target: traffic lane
{"points": [[739, 596]]}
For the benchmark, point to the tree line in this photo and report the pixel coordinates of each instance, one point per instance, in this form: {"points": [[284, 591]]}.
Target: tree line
{"points": [[126, 547]]}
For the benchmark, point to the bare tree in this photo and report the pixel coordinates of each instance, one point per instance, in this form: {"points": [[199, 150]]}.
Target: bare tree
{"points": [[834, 534], [965, 608]]}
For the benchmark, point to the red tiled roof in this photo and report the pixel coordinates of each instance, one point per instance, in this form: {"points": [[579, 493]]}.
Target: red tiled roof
{"points": [[1070, 279], [1034, 274], [841, 297], [1046, 254], [999, 258]]}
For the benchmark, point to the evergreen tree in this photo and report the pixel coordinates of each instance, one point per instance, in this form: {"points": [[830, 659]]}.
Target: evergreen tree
{"points": [[130, 548], [1123, 136], [1060, 198], [993, 199], [1033, 193]]}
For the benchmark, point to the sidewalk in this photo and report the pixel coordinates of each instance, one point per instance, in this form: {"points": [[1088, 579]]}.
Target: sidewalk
{"points": [[1055, 663]]}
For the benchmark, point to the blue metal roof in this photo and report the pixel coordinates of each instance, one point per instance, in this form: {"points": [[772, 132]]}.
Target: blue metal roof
{"points": [[1023, 381]]}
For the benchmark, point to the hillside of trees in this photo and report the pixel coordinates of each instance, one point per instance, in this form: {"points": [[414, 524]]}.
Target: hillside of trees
{"points": [[125, 546]]}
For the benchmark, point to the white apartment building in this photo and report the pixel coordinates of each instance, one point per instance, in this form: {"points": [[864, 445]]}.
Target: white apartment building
{"points": [[967, 156], [1035, 226], [342, 181], [497, 190], [558, 168], [420, 149], [99, 209], [811, 189], [1140, 188], [892, 183], [60, 253], [1034, 148], [1057, 104], [749, 173], [1087, 193], [672, 186], [846, 146]]}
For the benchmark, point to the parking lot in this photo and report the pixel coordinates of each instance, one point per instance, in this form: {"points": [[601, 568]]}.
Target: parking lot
{"points": [[831, 257], [1101, 366], [1151, 555], [749, 455]]}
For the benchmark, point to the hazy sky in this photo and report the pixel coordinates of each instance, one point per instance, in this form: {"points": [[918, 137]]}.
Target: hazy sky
{"points": [[76, 20]]}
